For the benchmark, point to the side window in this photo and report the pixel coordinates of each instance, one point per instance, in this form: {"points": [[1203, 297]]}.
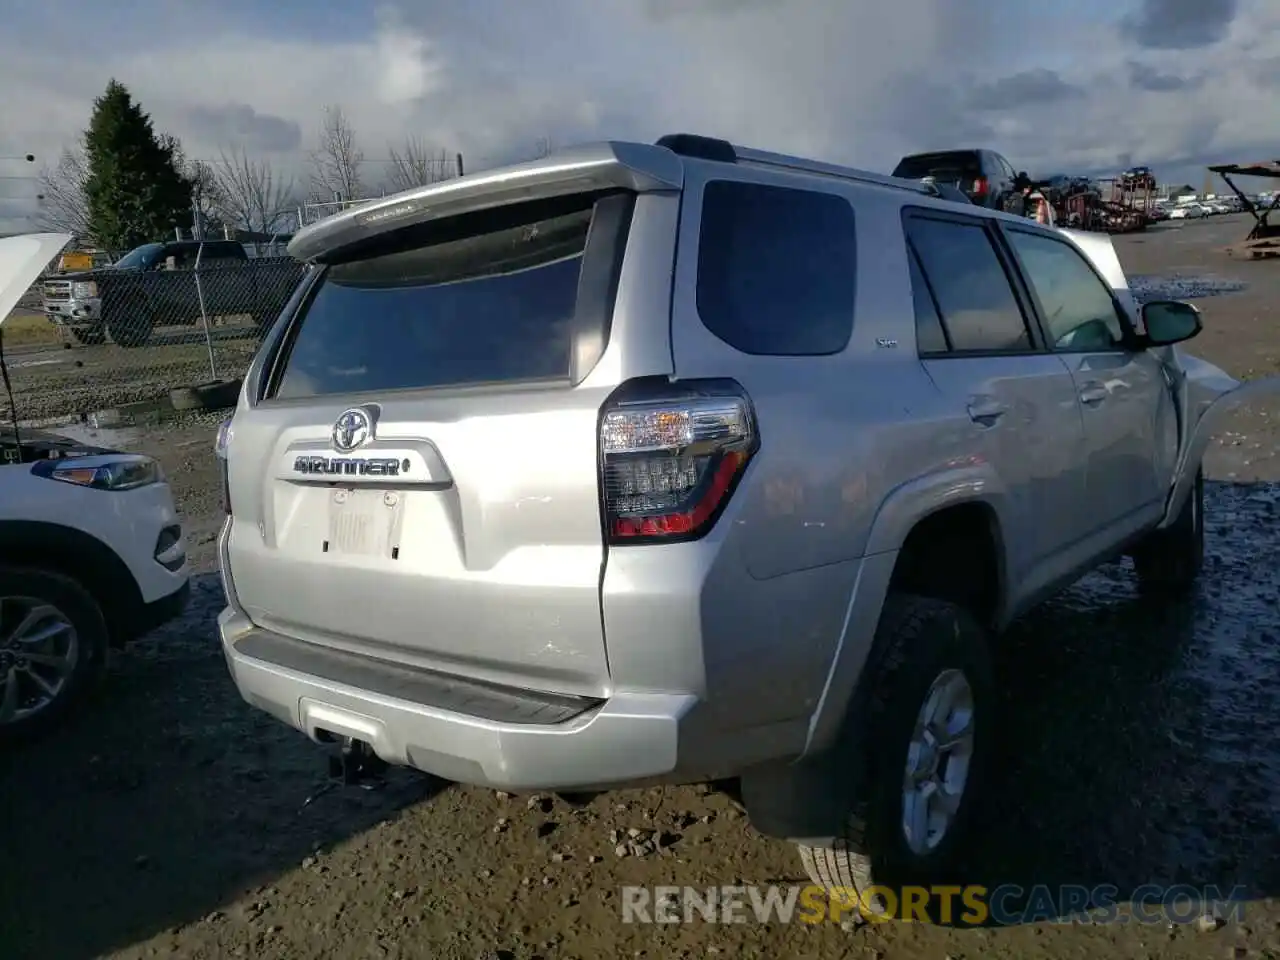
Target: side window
{"points": [[1079, 311], [930, 337], [776, 269], [979, 309]]}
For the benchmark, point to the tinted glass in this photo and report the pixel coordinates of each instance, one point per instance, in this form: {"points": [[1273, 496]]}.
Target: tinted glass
{"points": [[971, 288], [776, 269], [480, 309], [945, 167], [140, 256], [1079, 311], [929, 334]]}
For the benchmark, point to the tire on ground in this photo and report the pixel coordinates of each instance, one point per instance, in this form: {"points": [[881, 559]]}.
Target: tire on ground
{"points": [[130, 323], [86, 617], [918, 640], [215, 395], [1168, 561], [89, 336]]}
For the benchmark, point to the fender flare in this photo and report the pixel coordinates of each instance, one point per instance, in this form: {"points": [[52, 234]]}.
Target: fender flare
{"points": [[807, 800], [910, 502]]}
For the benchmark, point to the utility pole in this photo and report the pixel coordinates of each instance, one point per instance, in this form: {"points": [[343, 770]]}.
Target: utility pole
{"points": [[458, 158]]}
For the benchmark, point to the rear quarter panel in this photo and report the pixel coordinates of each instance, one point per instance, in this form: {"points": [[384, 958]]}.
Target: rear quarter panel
{"points": [[838, 433]]}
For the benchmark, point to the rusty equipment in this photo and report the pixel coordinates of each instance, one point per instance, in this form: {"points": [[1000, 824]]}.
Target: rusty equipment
{"points": [[1263, 241]]}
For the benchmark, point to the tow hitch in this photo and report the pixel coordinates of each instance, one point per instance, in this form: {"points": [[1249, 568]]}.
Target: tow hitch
{"points": [[356, 765]]}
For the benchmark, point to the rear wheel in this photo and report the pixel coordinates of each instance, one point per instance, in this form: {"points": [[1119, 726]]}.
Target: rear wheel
{"points": [[88, 336], [53, 643], [1168, 561], [925, 714], [130, 323]]}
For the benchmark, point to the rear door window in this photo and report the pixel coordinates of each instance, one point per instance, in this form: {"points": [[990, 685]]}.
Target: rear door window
{"points": [[486, 305], [930, 337], [959, 169], [971, 289], [776, 268]]}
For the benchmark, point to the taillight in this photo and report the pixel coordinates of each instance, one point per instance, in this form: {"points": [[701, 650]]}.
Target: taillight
{"points": [[980, 187], [220, 444], [669, 464]]}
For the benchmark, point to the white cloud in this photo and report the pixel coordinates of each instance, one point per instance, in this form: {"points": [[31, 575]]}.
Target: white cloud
{"points": [[847, 80]]}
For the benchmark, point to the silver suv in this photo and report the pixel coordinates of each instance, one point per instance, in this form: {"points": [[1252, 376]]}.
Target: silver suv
{"points": [[686, 462]]}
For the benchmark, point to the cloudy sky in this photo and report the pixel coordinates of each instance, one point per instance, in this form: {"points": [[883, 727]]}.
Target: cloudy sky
{"points": [[1057, 85]]}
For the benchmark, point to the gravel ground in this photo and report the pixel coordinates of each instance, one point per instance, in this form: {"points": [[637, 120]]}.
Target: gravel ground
{"points": [[1139, 747], [71, 381]]}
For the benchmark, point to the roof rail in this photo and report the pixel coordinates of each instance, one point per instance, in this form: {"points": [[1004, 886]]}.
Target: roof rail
{"points": [[712, 148]]}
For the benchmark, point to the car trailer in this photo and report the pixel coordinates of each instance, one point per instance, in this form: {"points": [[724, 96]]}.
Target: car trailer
{"points": [[1263, 241]]}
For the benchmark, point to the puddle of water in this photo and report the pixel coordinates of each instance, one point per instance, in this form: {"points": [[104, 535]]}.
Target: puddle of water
{"points": [[1178, 287]]}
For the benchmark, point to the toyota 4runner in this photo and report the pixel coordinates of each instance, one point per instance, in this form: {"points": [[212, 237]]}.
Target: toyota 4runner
{"points": [[687, 462]]}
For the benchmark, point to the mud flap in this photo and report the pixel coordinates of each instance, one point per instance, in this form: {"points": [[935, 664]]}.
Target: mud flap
{"points": [[1196, 436]]}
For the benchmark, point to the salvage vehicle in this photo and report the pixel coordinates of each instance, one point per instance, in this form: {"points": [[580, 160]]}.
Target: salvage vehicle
{"points": [[984, 176], [91, 548], [167, 284], [686, 462]]}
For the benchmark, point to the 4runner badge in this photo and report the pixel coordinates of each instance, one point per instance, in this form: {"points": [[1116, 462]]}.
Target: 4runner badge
{"points": [[313, 465]]}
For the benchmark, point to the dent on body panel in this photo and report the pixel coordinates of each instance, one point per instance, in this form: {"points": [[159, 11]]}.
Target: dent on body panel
{"points": [[831, 451], [767, 645]]}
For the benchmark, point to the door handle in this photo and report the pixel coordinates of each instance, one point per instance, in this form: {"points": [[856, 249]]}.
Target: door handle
{"points": [[1093, 394], [986, 412]]}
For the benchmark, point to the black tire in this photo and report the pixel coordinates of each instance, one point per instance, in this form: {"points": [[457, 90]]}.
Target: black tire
{"points": [[88, 336], [1168, 562], [215, 395], [918, 641], [84, 615], [130, 323]]}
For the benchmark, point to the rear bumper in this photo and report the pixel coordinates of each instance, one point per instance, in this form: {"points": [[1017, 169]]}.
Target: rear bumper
{"points": [[629, 738]]}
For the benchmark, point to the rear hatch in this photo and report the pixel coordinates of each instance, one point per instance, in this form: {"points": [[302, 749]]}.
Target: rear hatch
{"points": [[420, 480], [961, 169]]}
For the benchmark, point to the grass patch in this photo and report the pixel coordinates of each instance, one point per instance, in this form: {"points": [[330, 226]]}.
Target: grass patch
{"points": [[24, 329]]}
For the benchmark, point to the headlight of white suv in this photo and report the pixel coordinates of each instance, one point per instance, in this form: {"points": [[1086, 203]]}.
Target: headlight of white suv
{"points": [[83, 289], [114, 472]]}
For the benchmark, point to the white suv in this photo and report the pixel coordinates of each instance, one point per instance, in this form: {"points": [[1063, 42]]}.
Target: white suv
{"points": [[91, 548]]}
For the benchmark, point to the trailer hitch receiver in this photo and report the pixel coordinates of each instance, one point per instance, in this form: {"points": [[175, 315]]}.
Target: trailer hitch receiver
{"points": [[356, 764]]}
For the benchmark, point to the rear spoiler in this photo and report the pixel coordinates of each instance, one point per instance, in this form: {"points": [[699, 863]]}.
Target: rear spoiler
{"points": [[585, 169]]}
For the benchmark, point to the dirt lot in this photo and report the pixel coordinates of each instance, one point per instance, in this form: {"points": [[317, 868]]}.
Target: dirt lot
{"points": [[1139, 747]]}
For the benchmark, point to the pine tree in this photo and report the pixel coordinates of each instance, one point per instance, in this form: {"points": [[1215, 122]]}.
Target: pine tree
{"points": [[135, 189]]}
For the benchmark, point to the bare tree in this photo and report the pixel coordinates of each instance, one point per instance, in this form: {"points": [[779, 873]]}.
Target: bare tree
{"points": [[251, 194], [337, 160], [416, 165], [64, 206], [206, 191], [543, 147], [207, 196]]}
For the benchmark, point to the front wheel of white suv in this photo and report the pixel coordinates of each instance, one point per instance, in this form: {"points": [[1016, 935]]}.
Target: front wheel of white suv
{"points": [[53, 643], [924, 722]]}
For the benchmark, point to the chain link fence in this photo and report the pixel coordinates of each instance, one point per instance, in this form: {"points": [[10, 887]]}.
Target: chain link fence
{"points": [[89, 343]]}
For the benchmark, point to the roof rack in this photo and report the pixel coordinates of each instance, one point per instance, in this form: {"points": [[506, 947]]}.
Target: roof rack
{"points": [[722, 151]]}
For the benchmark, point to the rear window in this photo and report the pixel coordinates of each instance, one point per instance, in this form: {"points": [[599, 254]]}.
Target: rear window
{"points": [[944, 167], [488, 306], [776, 269]]}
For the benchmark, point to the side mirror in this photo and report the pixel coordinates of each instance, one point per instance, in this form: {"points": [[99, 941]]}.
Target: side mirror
{"points": [[1170, 321]]}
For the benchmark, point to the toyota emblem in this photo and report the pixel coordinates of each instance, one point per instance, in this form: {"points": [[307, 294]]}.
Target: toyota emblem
{"points": [[352, 428]]}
